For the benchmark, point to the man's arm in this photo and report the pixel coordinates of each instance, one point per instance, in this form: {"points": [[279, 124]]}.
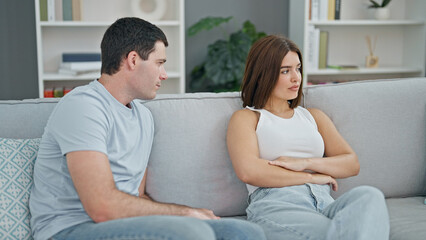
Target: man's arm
{"points": [[92, 177], [142, 192]]}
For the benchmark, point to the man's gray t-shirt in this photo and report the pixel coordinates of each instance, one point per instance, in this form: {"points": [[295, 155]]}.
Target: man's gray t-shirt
{"points": [[87, 119]]}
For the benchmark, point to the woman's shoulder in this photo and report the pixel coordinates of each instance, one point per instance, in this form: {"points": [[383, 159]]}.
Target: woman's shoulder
{"points": [[245, 112], [245, 115], [319, 116], [311, 114], [316, 113]]}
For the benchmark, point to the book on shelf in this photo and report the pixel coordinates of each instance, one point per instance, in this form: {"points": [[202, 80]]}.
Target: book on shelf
{"points": [[58, 10], [48, 92], [43, 10], [343, 67], [313, 47], [81, 57], [314, 8], [56, 92], [323, 10], [76, 10], [337, 10], [70, 72], [78, 63], [323, 50], [51, 10], [67, 90], [67, 10], [81, 66], [331, 12]]}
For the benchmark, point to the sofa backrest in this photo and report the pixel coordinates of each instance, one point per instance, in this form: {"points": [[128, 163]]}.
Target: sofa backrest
{"points": [[189, 162], [383, 120], [385, 123], [25, 119]]}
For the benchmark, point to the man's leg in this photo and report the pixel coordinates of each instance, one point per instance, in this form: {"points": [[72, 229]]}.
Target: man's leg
{"points": [[235, 229], [141, 228], [360, 213]]}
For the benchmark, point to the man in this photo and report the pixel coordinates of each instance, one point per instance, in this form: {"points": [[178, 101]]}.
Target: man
{"points": [[89, 176]]}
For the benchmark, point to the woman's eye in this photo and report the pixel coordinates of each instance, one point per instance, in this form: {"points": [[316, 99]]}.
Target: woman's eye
{"points": [[284, 72]]}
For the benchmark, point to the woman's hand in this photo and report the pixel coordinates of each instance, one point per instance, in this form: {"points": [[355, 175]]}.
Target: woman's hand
{"points": [[294, 164], [322, 179]]}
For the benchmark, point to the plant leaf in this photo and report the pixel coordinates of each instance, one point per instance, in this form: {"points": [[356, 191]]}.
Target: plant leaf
{"points": [[374, 4], [198, 82], [223, 68], [226, 60], [385, 3], [206, 23], [250, 30]]}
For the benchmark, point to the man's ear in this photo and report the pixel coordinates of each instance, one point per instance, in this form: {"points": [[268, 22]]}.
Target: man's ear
{"points": [[131, 59]]}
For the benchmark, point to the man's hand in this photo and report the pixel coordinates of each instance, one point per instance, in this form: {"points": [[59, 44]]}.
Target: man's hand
{"points": [[200, 213], [294, 164]]}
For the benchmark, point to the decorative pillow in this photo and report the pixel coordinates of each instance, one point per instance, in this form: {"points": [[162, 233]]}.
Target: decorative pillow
{"points": [[17, 157]]}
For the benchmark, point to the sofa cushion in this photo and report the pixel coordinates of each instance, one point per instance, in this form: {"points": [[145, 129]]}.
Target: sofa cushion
{"points": [[407, 218], [189, 162], [17, 158], [25, 118], [385, 123]]}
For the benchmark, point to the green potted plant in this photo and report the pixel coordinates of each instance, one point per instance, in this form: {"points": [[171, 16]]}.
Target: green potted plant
{"points": [[381, 11], [223, 67]]}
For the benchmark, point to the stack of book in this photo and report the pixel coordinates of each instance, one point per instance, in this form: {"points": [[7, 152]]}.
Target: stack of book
{"points": [[60, 10], [56, 92], [322, 10], [80, 63], [317, 48], [317, 54]]}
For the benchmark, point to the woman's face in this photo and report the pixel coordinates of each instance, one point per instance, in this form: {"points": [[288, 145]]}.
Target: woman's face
{"points": [[289, 80]]}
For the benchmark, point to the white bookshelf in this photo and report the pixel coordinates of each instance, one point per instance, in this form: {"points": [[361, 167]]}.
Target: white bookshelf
{"points": [[400, 40], [366, 23], [56, 37]]}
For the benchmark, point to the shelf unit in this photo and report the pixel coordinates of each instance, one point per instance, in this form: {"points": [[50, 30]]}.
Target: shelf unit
{"points": [[56, 37], [400, 40]]}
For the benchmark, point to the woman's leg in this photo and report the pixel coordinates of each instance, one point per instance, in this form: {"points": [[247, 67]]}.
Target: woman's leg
{"points": [[289, 213], [308, 212], [361, 213], [235, 229]]}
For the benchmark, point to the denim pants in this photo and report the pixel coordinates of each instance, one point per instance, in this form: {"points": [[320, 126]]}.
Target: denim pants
{"points": [[309, 212], [164, 228]]}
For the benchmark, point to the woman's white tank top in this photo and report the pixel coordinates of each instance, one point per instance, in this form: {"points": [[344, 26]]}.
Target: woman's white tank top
{"points": [[296, 137]]}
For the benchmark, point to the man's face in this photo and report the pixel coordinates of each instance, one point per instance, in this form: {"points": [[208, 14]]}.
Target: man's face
{"points": [[150, 73]]}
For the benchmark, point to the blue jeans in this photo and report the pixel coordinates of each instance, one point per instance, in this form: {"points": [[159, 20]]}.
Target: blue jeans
{"points": [[162, 228], [309, 212]]}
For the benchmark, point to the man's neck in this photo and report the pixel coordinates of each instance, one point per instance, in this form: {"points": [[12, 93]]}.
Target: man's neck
{"points": [[115, 85]]}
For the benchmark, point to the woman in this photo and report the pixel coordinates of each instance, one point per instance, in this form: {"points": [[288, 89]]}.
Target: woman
{"points": [[290, 156]]}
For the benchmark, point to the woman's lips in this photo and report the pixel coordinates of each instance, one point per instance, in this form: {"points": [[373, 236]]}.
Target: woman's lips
{"points": [[294, 88]]}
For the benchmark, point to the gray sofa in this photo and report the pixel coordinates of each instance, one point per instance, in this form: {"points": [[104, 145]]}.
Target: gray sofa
{"points": [[383, 120]]}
